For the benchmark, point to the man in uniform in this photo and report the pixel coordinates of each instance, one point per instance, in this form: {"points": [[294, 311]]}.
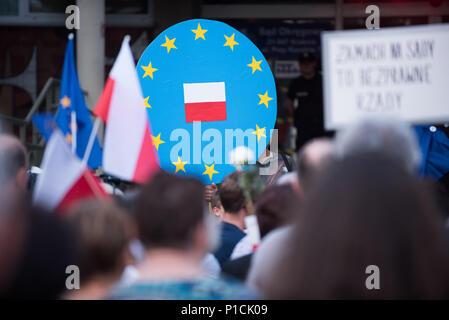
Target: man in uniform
{"points": [[305, 100]]}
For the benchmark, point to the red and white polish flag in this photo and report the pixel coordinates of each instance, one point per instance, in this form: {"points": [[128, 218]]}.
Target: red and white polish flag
{"points": [[205, 101], [128, 151], [64, 179]]}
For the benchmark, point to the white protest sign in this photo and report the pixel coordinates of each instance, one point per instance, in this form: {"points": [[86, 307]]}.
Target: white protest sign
{"points": [[402, 72]]}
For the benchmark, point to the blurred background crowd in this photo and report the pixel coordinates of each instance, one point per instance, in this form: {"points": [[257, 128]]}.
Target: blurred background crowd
{"points": [[353, 201]]}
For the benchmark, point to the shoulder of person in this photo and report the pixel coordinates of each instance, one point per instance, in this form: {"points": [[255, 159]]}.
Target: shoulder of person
{"points": [[229, 288], [266, 256], [274, 238], [211, 265]]}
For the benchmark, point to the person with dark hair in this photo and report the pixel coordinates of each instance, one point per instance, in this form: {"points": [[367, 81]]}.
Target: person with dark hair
{"points": [[13, 163], [104, 232], [175, 229], [275, 207], [47, 246], [305, 100], [370, 230], [233, 220]]}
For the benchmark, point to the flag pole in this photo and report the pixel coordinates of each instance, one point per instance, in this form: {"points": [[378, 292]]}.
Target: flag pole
{"points": [[90, 143], [74, 130], [73, 126], [93, 133]]}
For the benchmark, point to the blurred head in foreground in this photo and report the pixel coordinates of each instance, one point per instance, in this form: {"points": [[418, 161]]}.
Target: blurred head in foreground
{"points": [[170, 214], [390, 137], [365, 210], [312, 159], [13, 181], [47, 245], [276, 206], [104, 232], [13, 163], [12, 233]]}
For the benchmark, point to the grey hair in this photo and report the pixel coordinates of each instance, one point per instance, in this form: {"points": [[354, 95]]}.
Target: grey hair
{"points": [[389, 136]]}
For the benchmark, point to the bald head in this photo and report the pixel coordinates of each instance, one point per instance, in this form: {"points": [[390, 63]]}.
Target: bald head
{"points": [[13, 161], [312, 157]]}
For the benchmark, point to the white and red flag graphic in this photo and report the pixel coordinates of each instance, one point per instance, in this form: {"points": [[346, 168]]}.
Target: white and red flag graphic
{"points": [[128, 151], [205, 101], [64, 179]]}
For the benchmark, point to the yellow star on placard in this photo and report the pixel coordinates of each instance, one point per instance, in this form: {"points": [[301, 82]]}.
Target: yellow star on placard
{"points": [[264, 98], [147, 104], [169, 44], [255, 65], [260, 132], [179, 165], [199, 33], [65, 102], [210, 170], [230, 42], [157, 141], [148, 70]]}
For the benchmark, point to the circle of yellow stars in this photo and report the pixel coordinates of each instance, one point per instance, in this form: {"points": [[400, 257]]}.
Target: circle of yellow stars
{"points": [[230, 42]]}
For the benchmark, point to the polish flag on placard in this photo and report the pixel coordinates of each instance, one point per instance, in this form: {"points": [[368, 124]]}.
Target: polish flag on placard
{"points": [[64, 179], [205, 101], [128, 151]]}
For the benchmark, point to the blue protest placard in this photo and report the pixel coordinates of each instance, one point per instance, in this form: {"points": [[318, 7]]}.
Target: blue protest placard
{"points": [[208, 89]]}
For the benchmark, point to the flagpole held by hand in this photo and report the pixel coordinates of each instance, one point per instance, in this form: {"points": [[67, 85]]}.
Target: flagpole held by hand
{"points": [[90, 143]]}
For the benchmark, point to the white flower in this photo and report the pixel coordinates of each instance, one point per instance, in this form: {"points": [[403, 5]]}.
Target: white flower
{"points": [[240, 156]]}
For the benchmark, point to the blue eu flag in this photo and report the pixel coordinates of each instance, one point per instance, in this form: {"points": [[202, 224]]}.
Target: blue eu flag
{"points": [[434, 146], [45, 124], [72, 100]]}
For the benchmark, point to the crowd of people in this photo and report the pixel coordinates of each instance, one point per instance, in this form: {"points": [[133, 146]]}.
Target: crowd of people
{"points": [[349, 202]]}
